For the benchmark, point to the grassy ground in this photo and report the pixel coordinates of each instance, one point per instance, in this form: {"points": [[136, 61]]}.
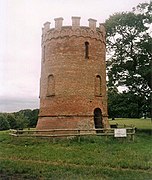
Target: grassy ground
{"points": [[92, 158], [139, 123]]}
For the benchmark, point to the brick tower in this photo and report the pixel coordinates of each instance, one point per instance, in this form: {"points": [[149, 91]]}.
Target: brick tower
{"points": [[73, 76]]}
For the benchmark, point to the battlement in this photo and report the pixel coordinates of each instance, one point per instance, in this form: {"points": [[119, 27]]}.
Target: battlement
{"points": [[75, 24], [86, 31]]}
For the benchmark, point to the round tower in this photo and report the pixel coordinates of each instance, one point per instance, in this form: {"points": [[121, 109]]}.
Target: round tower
{"points": [[73, 76]]}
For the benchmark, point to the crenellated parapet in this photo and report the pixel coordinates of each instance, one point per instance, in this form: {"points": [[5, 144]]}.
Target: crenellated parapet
{"points": [[61, 31]]}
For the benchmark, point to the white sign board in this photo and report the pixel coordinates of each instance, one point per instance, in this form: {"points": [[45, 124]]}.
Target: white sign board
{"points": [[120, 133]]}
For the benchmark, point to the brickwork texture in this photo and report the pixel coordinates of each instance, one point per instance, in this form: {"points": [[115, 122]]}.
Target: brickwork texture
{"points": [[73, 76]]}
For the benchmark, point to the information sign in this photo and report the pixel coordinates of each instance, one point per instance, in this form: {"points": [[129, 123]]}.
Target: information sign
{"points": [[120, 133]]}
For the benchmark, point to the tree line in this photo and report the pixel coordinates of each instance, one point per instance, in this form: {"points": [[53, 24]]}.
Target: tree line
{"points": [[18, 120]]}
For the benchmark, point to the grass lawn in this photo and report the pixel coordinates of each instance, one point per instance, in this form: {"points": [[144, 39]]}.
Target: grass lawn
{"points": [[138, 123], [92, 158]]}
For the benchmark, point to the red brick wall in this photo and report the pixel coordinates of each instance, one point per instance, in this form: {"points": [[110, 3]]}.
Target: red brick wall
{"points": [[66, 123], [74, 78]]}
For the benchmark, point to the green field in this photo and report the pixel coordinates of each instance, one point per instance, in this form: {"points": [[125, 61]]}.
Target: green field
{"points": [[138, 123], [91, 158]]}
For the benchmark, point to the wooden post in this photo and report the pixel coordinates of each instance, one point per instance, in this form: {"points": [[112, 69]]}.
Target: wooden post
{"points": [[106, 135], [28, 131], [133, 133], [78, 135], [54, 140]]}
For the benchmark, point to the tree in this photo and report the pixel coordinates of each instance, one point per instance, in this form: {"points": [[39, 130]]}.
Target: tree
{"points": [[22, 121], [30, 115], [4, 125], [18, 120], [129, 49], [125, 104], [11, 120], [34, 118]]}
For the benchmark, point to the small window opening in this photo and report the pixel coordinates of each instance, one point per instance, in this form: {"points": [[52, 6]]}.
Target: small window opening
{"points": [[51, 86], [98, 86], [86, 50]]}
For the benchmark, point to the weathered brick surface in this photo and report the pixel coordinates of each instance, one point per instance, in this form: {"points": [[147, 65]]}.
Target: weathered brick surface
{"points": [[66, 122], [73, 99]]}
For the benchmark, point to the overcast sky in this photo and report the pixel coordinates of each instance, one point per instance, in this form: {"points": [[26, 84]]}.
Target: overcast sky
{"points": [[21, 22]]}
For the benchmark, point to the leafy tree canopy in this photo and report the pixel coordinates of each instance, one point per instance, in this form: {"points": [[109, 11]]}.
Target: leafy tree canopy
{"points": [[4, 125], [19, 120], [129, 56], [126, 105], [129, 45]]}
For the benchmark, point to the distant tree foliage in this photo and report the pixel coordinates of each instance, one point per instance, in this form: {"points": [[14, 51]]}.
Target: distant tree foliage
{"points": [[126, 105], [4, 125], [12, 121], [129, 46], [19, 120]]}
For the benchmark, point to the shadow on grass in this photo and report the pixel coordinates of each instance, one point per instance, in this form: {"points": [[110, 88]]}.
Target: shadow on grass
{"points": [[146, 131]]}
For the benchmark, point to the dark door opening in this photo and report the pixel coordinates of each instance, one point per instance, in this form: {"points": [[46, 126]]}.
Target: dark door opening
{"points": [[98, 118]]}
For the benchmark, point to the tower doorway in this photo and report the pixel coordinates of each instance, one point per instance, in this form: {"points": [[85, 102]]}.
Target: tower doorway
{"points": [[98, 118]]}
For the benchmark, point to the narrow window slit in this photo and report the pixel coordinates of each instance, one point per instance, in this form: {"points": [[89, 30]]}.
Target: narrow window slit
{"points": [[86, 50]]}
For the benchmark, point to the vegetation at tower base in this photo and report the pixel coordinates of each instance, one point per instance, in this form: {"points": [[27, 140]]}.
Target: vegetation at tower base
{"points": [[129, 49]]}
